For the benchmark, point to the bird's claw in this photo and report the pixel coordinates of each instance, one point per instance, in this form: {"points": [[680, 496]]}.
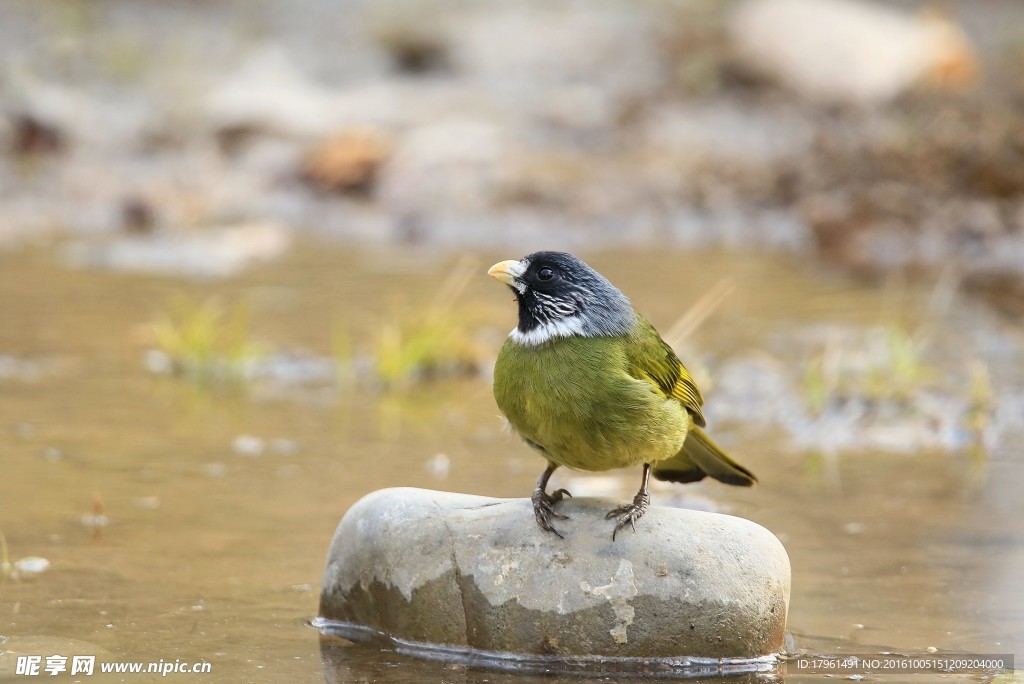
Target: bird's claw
{"points": [[629, 513], [544, 508]]}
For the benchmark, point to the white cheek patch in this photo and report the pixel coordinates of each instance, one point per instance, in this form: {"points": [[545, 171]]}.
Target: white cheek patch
{"points": [[563, 327], [516, 271]]}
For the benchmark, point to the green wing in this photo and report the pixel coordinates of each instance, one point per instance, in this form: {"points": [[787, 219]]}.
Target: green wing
{"points": [[651, 359]]}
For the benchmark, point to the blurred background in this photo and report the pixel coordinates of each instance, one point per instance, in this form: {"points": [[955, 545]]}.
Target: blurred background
{"points": [[243, 253]]}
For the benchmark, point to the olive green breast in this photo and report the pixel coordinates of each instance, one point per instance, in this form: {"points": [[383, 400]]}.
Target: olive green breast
{"points": [[575, 399]]}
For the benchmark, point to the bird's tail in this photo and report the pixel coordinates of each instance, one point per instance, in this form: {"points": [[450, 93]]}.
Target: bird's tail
{"points": [[699, 457]]}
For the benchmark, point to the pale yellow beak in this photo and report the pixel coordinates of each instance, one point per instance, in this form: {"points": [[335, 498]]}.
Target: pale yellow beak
{"points": [[506, 271]]}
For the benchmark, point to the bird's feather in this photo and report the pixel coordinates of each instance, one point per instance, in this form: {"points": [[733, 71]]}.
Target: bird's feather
{"points": [[651, 359], [701, 455]]}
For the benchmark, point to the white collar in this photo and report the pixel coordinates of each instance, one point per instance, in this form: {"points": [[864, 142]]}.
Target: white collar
{"points": [[563, 327]]}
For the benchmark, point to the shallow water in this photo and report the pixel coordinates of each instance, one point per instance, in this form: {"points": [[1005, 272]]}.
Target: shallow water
{"points": [[214, 553]]}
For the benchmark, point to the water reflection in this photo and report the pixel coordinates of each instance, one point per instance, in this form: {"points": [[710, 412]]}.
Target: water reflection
{"points": [[375, 659]]}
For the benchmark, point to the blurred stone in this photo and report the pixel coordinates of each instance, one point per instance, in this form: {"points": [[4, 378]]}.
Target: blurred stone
{"points": [[607, 485], [404, 104], [566, 64], [292, 368], [49, 116], [215, 469], [413, 34], [347, 162], [451, 164], [12, 367], [137, 216], [247, 445], [149, 503], [1002, 289], [756, 388], [738, 228], [284, 447], [439, 466], [729, 133], [851, 51], [29, 567], [30, 136], [158, 362], [52, 454], [268, 93], [212, 253], [94, 520], [470, 571]]}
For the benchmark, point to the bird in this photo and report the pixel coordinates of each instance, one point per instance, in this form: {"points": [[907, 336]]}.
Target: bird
{"points": [[585, 380]]}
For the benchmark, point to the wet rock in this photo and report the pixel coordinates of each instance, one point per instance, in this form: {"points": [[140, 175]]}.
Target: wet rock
{"points": [[477, 572]]}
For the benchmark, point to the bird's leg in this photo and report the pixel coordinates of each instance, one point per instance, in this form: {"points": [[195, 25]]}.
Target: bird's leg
{"points": [[630, 513], [544, 503]]}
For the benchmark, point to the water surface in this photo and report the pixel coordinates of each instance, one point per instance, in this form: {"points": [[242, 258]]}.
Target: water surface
{"points": [[216, 555]]}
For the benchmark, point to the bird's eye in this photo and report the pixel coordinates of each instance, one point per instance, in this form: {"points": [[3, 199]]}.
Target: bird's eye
{"points": [[545, 274]]}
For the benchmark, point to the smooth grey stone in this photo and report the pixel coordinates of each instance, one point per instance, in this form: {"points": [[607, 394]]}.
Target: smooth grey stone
{"points": [[471, 571]]}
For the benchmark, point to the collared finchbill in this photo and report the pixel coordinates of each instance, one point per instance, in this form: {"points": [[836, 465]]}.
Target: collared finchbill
{"points": [[581, 356], [507, 271]]}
